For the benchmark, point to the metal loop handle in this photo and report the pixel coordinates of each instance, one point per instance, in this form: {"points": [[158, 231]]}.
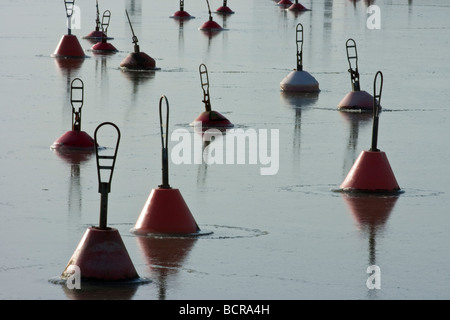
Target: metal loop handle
{"points": [[104, 187], [105, 21], [376, 109], [69, 12], [164, 143], [76, 110], [299, 43], [204, 79], [352, 55]]}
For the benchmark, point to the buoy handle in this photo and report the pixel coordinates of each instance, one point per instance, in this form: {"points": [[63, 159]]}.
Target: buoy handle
{"points": [[209, 10], [376, 109], [104, 185], [164, 143], [299, 43], [76, 100], [204, 79], [134, 39], [69, 11], [352, 56], [105, 22]]}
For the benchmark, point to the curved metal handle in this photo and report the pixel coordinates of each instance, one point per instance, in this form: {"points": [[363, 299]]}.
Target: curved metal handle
{"points": [[76, 99], [299, 43], [352, 55], [204, 79], [105, 21], [164, 143], [376, 109], [104, 187]]}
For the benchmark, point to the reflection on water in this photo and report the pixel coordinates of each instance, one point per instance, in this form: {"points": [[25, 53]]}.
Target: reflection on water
{"points": [[165, 257]]}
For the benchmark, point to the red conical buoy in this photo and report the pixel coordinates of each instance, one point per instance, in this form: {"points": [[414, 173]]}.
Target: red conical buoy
{"points": [[224, 9], [297, 7], [181, 14], [101, 254], [75, 138], [69, 46], [209, 118], [372, 172], [97, 34], [284, 3], [299, 80], [103, 46], [137, 61], [165, 211], [357, 99], [210, 25]]}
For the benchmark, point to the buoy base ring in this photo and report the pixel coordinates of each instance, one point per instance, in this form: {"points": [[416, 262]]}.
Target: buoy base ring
{"points": [[171, 235]]}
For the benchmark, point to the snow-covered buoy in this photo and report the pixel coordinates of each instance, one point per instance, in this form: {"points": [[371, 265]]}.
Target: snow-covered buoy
{"points": [[209, 118], [137, 60], [299, 80], [104, 46], [69, 46], [101, 255], [371, 171], [75, 139], [165, 211], [181, 14], [357, 99]]}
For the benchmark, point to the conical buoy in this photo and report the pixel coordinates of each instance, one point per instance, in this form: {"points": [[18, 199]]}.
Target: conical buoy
{"points": [[165, 211], [104, 46], [297, 7], [101, 254], [137, 61], [75, 139], [210, 25], [209, 118], [372, 172], [357, 99], [284, 3], [97, 34], [224, 9], [69, 46], [299, 80], [182, 14]]}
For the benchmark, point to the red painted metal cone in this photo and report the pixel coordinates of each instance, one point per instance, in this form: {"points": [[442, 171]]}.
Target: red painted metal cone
{"points": [[224, 9], [299, 81], [103, 46], [74, 139], [138, 61], [181, 14], [210, 25], [213, 119], [96, 34], [101, 256], [371, 172], [357, 100], [69, 47], [284, 3], [297, 7], [165, 212]]}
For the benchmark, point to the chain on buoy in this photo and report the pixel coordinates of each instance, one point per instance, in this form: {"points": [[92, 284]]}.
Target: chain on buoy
{"points": [[209, 118], [165, 211], [299, 80], [182, 14], [69, 46], [371, 171], [104, 46], [101, 254], [75, 139], [357, 99], [137, 60]]}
